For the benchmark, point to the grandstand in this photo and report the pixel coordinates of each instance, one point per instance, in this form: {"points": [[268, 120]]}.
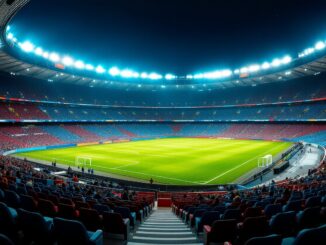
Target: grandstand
{"points": [[93, 154]]}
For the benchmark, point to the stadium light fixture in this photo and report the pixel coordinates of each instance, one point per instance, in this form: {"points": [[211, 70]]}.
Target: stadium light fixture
{"points": [[320, 45], [154, 76], [286, 59], [68, 61], [54, 57], [45, 55], [100, 69], [126, 73], [189, 77], [10, 36], [89, 67], [39, 51], [265, 65], [276, 62], [79, 64], [254, 68], [170, 77], [114, 71], [144, 75], [27, 46]]}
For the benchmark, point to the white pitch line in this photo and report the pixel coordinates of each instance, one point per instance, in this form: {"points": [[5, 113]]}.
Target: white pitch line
{"points": [[238, 166]]}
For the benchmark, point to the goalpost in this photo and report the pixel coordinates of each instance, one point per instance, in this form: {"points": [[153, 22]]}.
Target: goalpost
{"points": [[83, 161], [265, 161]]}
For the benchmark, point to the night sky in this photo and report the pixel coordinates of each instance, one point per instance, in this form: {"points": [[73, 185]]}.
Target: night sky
{"points": [[177, 36]]}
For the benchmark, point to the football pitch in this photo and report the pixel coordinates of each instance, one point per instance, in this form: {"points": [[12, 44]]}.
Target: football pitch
{"points": [[178, 161]]}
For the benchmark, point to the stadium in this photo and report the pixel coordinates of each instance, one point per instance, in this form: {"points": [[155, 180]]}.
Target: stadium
{"points": [[142, 146]]}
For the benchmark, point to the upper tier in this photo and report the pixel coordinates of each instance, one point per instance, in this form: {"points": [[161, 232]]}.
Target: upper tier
{"points": [[299, 89]]}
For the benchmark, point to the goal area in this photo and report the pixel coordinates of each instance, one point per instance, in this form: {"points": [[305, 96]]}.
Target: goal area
{"points": [[265, 161], [83, 161]]}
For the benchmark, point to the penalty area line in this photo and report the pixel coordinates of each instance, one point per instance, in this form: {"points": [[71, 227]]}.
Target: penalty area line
{"points": [[240, 165]]}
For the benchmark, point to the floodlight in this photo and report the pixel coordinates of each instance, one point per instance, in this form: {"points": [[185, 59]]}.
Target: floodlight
{"points": [[100, 69], [254, 68], [79, 64], [287, 59], [54, 57], [45, 55], [154, 76], [244, 70], [27, 46], [10, 36], [276, 62], [39, 51], [114, 71], [126, 73], [169, 77], [320, 45], [89, 67], [189, 76], [68, 61], [236, 71], [265, 65], [144, 75], [135, 74]]}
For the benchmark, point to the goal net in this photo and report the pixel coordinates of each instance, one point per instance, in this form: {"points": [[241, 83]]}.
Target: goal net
{"points": [[83, 161], [265, 161]]}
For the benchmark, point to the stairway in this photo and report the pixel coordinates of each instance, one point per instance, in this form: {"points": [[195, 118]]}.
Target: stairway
{"points": [[163, 227]]}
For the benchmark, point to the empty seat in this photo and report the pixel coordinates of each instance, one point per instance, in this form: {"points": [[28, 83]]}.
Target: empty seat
{"points": [[101, 208], [220, 231], [232, 214], [115, 224], [36, 228], [308, 236], [252, 212], [28, 203], [67, 232], [272, 209], [253, 227], [284, 224], [293, 206], [308, 218], [8, 225], [265, 240], [313, 202], [12, 199]]}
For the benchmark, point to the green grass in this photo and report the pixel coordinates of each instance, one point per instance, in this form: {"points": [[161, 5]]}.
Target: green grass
{"points": [[180, 161]]}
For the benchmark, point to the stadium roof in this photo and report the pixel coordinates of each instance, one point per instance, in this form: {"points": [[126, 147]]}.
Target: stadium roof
{"points": [[16, 62]]}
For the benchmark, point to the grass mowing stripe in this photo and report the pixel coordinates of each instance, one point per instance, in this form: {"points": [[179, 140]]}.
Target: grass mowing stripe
{"points": [[183, 161]]}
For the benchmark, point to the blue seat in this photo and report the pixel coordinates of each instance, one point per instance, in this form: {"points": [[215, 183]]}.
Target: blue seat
{"points": [[12, 199], [309, 218], [67, 232], [28, 203], [283, 224], [8, 225], [265, 240], [313, 202], [272, 209], [308, 236], [293, 206], [101, 208], [36, 228], [232, 214], [2, 195]]}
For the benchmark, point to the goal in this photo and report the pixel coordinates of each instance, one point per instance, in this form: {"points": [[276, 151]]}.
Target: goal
{"points": [[265, 161], [83, 161]]}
